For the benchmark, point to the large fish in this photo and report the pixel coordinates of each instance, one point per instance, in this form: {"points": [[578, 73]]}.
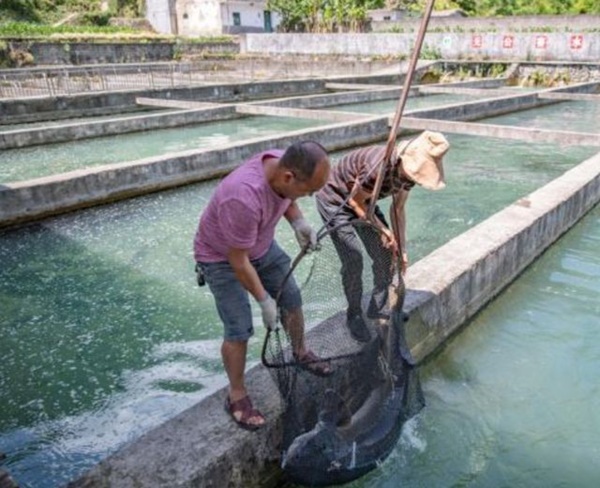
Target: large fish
{"points": [[345, 445]]}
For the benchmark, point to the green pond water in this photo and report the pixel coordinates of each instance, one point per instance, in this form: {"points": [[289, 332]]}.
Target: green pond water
{"points": [[37, 161], [570, 116], [105, 333], [412, 103], [514, 400]]}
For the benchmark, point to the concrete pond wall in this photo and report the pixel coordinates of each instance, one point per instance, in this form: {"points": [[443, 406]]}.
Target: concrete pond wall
{"points": [[518, 46], [513, 23], [34, 199], [77, 53], [22, 110]]}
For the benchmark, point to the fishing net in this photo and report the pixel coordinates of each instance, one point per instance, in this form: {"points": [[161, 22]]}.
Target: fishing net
{"points": [[344, 405]]}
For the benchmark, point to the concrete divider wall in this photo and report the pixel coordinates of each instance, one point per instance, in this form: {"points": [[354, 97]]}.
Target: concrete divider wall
{"points": [[77, 53], [338, 98], [451, 284], [503, 131], [20, 202], [497, 106], [33, 199], [76, 131], [551, 46], [47, 108], [201, 447], [499, 82], [480, 108]]}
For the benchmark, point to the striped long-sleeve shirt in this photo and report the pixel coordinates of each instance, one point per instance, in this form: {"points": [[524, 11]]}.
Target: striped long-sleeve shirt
{"points": [[362, 165]]}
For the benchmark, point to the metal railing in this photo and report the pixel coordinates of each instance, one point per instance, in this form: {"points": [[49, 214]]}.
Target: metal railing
{"points": [[70, 80]]}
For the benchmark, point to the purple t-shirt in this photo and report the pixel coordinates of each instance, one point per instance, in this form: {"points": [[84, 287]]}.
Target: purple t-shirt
{"points": [[242, 213]]}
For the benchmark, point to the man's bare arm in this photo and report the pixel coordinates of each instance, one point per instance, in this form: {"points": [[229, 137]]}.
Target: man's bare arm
{"points": [[293, 212], [398, 219], [358, 203]]}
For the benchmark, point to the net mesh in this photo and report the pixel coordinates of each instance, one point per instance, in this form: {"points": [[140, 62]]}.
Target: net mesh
{"points": [[343, 407]]}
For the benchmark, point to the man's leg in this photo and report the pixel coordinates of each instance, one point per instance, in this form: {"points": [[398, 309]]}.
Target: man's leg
{"points": [[349, 251], [348, 248], [233, 307], [293, 322], [382, 268], [272, 269], [233, 354]]}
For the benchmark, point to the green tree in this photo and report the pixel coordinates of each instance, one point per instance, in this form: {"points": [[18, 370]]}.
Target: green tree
{"points": [[24, 10], [322, 15], [468, 6], [342, 15], [586, 7]]}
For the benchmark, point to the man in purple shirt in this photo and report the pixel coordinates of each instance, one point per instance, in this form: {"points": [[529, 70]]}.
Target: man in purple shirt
{"points": [[237, 254]]}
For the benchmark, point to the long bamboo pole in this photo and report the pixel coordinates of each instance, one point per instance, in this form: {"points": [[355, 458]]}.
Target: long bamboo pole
{"points": [[400, 108]]}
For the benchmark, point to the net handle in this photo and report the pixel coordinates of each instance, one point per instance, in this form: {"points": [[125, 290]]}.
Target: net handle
{"points": [[400, 108], [323, 233]]}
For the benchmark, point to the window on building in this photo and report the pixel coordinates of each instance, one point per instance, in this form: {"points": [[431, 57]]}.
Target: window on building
{"points": [[387, 17], [237, 18]]}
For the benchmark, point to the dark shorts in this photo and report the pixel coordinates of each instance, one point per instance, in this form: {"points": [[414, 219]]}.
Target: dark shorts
{"points": [[232, 300]]}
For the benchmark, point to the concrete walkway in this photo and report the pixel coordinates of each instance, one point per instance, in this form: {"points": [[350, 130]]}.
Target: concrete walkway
{"points": [[502, 131]]}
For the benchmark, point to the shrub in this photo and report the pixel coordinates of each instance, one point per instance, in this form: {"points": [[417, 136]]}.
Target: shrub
{"points": [[97, 18]]}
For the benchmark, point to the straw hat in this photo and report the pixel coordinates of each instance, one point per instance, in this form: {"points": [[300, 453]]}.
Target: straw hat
{"points": [[422, 159]]}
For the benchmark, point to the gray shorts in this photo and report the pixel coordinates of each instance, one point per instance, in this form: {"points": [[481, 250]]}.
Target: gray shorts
{"points": [[232, 300]]}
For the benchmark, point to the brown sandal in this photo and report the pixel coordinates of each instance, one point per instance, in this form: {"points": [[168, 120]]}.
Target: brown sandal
{"points": [[242, 411], [313, 364]]}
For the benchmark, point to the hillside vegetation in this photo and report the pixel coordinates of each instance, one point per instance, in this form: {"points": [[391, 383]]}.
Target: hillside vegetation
{"points": [[38, 17], [351, 15], [51, 11]]}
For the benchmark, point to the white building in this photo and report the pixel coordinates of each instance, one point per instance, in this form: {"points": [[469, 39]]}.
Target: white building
{"points": [[158, 13], [210, 17], [384, 15]]}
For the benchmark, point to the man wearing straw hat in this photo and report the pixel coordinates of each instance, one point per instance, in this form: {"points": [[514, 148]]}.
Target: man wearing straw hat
{"points": [[346, 197]]}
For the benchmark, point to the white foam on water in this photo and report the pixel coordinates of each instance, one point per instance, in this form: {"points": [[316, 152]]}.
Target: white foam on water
{"points": [[204, 349], [80, 440], [411, 437]]}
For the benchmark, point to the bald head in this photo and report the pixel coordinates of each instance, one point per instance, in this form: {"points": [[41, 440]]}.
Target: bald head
{"points": [[302, 158]]}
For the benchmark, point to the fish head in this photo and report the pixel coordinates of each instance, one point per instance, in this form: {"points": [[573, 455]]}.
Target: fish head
{"points": [[313, 455]]}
